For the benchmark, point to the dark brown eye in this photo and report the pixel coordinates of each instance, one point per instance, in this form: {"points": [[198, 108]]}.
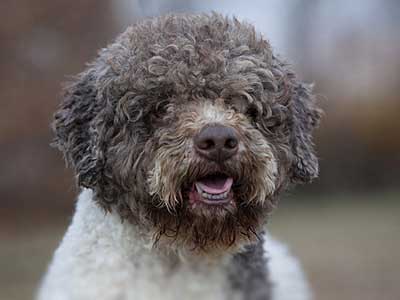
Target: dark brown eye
{"points": [[252, 112], [272, 123], [160, 109], [275, 117]]}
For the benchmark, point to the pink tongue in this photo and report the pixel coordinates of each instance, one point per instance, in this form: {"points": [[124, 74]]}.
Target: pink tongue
{"points": [[215, 184]]}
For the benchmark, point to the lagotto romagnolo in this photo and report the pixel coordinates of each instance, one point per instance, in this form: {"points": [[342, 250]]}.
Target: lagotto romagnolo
{"points": [[182, 134]]}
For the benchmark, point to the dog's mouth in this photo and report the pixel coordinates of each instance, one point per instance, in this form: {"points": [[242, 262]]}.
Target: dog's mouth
{"points": [[213, 189]]}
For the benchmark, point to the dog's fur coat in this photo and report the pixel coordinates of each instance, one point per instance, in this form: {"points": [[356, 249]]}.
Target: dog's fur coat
{"points": [[128, 126]]}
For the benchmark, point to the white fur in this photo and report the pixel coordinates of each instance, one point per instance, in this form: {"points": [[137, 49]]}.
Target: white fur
{"points": [[102, 258], [210, 113], [288, 280]]}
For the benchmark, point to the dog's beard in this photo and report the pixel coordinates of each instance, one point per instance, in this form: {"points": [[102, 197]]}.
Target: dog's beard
{"points": [[209, 231], [201, 226]]}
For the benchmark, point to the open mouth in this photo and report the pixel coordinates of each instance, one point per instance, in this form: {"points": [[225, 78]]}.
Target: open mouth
{"points": [[214, 189]]}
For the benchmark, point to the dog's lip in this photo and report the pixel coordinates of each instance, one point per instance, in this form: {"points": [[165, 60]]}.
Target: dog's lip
{"points": [[215, 184], [214, 189]]}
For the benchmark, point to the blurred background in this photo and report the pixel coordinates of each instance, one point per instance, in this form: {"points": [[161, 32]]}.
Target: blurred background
{"points": [[345, 227]]}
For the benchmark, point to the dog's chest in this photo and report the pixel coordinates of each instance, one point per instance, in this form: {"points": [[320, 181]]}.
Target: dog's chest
{"points": [[102, 258], [243, 276], [154, 280]]}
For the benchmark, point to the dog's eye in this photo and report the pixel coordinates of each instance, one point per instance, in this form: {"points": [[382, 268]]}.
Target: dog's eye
{"points": [[272, 123], [274, 117], [252, 112], [160, 109]]}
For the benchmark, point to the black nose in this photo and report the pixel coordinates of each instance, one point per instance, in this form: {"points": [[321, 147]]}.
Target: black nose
{"points": [[216, 142]]}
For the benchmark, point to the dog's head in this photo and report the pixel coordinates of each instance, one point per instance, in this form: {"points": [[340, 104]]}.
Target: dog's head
{"points": [[190, 127]]}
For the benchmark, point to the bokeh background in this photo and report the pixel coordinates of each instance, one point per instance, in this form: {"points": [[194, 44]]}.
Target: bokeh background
{"points": [[345, 227]]}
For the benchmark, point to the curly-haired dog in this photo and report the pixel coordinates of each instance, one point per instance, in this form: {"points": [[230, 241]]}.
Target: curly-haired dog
{"points": [[183, 133]]}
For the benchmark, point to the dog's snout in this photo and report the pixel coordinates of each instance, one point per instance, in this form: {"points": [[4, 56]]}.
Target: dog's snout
{"points": [[216, 142]]}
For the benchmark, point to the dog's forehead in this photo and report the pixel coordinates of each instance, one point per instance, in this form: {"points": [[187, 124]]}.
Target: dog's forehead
{"points": [[199, 51], [213, 113], [210, 111]]}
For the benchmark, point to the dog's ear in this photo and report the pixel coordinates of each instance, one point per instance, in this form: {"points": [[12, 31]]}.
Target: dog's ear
{"points": [[305, 117], [75, 130]]}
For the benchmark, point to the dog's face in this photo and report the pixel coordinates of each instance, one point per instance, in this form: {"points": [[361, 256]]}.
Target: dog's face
{"points": [[190, 127]]}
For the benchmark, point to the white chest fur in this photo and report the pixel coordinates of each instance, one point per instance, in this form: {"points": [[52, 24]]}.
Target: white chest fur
{"points": [[102, 258]]}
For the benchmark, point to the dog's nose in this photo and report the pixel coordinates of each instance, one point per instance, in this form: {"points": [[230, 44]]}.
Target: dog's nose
{"points": [[216, 142]]}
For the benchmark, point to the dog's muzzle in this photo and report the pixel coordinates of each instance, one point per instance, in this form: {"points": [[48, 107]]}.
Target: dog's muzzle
{"points": [[216, 144]]}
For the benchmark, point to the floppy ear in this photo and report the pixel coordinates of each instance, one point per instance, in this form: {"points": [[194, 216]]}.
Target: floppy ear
{"points": [[306, 116], [75, 132]]}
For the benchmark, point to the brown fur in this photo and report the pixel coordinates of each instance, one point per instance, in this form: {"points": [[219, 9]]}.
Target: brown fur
{"points": [[126, 126]]}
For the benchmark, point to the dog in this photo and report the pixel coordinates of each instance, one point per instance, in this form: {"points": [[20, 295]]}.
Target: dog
{"points": [[182, 134]]}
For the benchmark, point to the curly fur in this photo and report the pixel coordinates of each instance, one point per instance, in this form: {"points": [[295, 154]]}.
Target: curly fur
{"points": [[102, 258], [126, 125]]}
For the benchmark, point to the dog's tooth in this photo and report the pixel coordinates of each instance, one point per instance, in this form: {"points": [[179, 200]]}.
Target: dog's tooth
{"points": [[199, 190], [214, 196]]}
